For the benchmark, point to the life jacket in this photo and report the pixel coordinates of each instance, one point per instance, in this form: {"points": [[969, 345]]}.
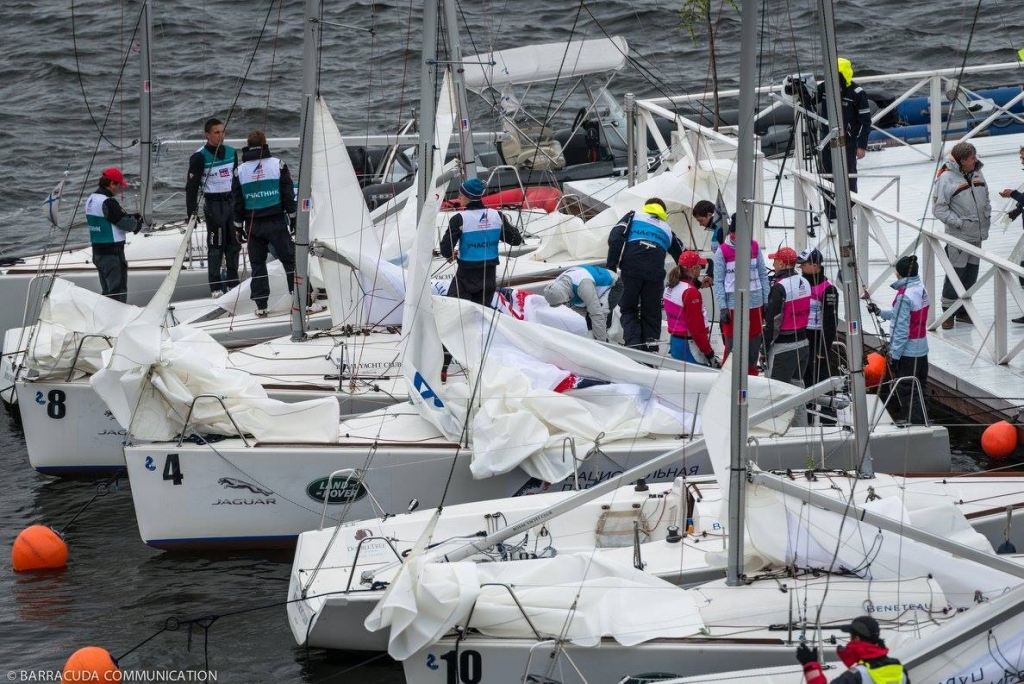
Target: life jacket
{"points": [[817, 299], [602, 277], [797, 308], [889, 673], [673, 301], [217, 173], [647, 228], [101, 231], [919, 306], [481, 233], [729, 254], [261, 183]]}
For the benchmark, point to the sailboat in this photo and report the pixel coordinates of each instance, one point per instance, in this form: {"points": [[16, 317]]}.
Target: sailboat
{"points": [[508, 616], [383, 460]]}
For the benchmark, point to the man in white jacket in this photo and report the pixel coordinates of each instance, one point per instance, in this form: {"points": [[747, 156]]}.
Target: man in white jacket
{"points": [[962, 203]]}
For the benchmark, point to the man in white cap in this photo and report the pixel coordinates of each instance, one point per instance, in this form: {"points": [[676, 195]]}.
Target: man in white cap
{"points": [[590, 291]]}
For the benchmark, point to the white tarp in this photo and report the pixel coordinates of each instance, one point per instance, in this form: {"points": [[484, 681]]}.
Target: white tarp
{"points": [[238, 300], [516, 367], [577, 597], [784, 531], [535, 63]]}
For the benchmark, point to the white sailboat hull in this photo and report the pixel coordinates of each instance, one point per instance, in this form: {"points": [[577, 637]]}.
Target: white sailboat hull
{"points": [[405, 459]]}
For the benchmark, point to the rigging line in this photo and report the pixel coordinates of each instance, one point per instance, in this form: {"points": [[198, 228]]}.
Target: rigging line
{"points": [[273, 63], [81, 79], [92, 159], [940, 160]]}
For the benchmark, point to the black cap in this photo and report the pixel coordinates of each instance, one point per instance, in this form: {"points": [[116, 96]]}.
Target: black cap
{"points": [[907, 266], [810, 256], [865, 627]]}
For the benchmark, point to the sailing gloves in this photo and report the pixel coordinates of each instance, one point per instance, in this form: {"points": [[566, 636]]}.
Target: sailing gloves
{"points": [[292, 223], [713, 361], [139, 222], [725, 317], [806, 655], [241, 233], [873, 309]]}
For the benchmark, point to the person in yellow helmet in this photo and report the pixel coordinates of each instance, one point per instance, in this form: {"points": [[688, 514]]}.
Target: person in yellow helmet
{"points": [[638, 244], [856, 113]]}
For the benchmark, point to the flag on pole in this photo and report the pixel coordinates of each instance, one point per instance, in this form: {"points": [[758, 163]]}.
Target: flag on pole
{"points": [[51, 205]]}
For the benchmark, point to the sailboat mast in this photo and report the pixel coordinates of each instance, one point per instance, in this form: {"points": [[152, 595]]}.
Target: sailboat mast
{"points": [[458, 71], [847, 247], [310, 49], [428, 102], [741, 314], [145, 113]]}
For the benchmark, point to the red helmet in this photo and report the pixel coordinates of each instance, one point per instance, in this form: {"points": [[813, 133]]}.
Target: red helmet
{"points": [[691, 258]]}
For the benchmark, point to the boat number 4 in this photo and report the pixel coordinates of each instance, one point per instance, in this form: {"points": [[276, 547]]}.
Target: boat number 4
{"points": [[172, 469], [461, 668], [54, 402]]}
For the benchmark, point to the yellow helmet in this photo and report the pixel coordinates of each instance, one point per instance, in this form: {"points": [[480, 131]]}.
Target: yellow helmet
{"points": [[846, 69], [655, 209]]}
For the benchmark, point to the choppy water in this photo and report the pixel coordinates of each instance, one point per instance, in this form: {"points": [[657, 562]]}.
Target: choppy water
{"points": [[115, 591]]}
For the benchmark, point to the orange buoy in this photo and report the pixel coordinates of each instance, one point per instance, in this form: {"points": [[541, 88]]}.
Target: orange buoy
{"points": [[91, 664], [999, 440], [874, 370], [38, 548]]}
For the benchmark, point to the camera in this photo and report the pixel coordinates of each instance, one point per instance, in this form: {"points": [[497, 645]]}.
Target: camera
{"points": [[801, 85]]}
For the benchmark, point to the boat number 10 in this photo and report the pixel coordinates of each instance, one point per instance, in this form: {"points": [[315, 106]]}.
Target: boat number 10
{"points": [[172, 469], [464, 667], [54, 403]]}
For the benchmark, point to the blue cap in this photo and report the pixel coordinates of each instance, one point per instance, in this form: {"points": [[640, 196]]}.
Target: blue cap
{"points": [[472, 189]]}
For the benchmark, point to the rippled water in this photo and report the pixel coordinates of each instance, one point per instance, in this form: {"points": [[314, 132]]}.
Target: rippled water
{"points": [[116, 592]]}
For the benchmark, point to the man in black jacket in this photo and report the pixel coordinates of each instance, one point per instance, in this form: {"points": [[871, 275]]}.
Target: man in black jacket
{"points": [[1018, 197], [821, 323], [211, 170], [856, 114], [638, 243], [264, 208]]}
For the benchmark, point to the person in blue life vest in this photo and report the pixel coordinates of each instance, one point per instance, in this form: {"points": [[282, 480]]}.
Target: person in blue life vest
{"points": [[711, 218], [211, 170], [785, 323], [1014, 214], [637, 245], [908, 341], [108, 225], [865, 655], [472, 240], [590, 291], [264, 210]]}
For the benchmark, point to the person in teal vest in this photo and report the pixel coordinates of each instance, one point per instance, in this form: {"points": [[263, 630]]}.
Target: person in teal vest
{"points": [[264, 208], [108, 225], [590, 291], [211, 170]]}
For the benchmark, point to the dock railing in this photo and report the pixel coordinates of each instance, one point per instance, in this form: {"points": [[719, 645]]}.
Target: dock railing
{"points": [[694, 141]]}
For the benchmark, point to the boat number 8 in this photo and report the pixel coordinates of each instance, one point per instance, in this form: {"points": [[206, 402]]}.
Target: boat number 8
{"points": [[462, 668], [55, 407]]}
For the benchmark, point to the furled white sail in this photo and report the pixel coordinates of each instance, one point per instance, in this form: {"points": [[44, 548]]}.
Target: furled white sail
{"points": [[151, 377], [577, 597], [546, 62], [423, 354]]}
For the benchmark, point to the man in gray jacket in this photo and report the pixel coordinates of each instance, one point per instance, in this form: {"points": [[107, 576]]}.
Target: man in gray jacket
{"points": [[962, 203]]}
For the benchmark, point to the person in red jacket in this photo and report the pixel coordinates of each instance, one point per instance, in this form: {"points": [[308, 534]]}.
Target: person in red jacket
{"points": [[688, 321], [865, 655]]}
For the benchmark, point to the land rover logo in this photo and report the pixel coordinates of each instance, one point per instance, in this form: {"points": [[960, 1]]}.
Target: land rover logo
{"points": [[343, 490]]}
